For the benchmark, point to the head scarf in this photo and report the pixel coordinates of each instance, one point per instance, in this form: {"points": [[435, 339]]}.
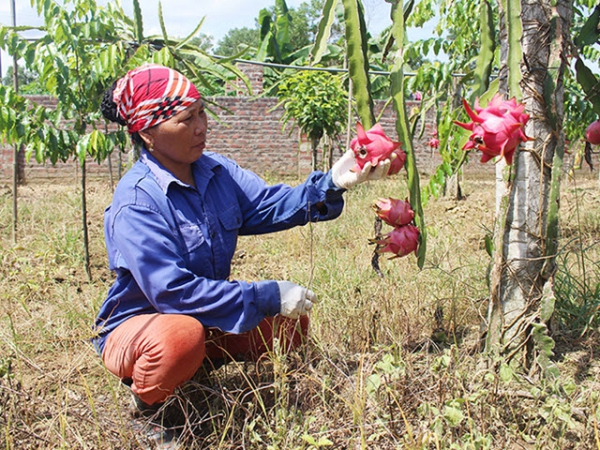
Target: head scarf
{"points": [[151, 94]]}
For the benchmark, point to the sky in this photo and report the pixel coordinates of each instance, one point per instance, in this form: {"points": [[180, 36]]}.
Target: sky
{"points": [[182, 16]]}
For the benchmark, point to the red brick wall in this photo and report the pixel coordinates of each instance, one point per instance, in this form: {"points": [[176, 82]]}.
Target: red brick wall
{"points": [[252, 135]]}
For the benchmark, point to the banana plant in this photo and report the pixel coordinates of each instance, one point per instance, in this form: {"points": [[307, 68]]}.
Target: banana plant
{"points": [[275, 34]]}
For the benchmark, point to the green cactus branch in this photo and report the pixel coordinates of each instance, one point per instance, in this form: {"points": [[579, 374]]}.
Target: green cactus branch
{"points": [[515, 51], [404, 132], [358, 63]]}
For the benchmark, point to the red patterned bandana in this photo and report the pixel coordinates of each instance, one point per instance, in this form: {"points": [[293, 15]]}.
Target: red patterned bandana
{"points": [[151, 94]]}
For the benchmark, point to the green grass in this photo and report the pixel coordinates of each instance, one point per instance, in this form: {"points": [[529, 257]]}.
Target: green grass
{"points": [[393, 362]]}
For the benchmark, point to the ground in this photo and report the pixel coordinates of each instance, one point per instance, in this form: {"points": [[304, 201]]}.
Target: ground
{"points": [[393, 362]]}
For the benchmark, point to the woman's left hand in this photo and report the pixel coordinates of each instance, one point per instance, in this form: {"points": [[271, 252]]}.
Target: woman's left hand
{"points": [[296, 300]]}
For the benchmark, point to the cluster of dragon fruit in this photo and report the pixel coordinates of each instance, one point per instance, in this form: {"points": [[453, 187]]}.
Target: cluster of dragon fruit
{"points": [[374, 146], [497, 129]]}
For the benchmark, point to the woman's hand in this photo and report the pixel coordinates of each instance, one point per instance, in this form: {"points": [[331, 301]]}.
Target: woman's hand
{"points": [[345, 178], [296, 300]]}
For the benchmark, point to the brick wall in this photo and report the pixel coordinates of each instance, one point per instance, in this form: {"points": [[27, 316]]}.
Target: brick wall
{"points": [[252, 135]]}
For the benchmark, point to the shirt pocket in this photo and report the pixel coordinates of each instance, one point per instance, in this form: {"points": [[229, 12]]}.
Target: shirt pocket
{"points": [[231, 218], [231, 222], [192, 237]]}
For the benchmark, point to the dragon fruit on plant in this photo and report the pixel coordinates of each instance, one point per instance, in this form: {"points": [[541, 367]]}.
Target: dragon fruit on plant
{"points": [[394, 212], [592, 134], [404, 238], [374, 146], [497, 129], [401, 241], [434, 142]]}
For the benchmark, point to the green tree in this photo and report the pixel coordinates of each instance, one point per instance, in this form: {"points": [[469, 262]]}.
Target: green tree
{"points": [[17, 118], [237, 40], [313, 11], [202, 41], [84, 49], [316, 101], [299, 25], [301, 31]]}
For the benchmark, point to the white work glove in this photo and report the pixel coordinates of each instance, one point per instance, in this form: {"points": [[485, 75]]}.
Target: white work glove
{"points": [[344, 178], [296, 300]]}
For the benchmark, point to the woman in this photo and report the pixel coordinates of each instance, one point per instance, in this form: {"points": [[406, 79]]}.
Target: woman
{"points": [[171, 233]]}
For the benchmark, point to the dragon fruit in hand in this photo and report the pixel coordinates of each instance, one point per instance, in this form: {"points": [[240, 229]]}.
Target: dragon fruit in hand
{"points": [[496, 129], [374, 146], [398, 162]]}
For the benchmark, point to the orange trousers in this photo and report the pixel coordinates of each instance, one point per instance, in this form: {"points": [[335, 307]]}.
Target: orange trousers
{"points": [[160, 352]]}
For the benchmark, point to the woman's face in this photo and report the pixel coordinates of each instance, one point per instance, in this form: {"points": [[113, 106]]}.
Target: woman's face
{"points": [[180, 140]]}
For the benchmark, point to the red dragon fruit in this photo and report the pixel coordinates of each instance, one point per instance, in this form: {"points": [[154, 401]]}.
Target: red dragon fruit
{"points": [[496, 129], [401, 241], [398, 162], [434, 142], [394, 212], [374, 146], [592, 133]]}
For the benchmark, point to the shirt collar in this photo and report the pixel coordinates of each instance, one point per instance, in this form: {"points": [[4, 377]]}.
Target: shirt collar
{"points": [[203, 168]]}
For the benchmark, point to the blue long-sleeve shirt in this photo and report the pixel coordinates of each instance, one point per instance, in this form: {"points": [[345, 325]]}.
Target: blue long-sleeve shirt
{"points": [[171, 244]]}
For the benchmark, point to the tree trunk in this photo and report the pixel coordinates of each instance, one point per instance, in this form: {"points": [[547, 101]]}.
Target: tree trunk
{"points": [[109, 160], [452, 187], [15, 211], [314, 144], [120, 159], [329, 143], [86, 240], [18, 172], [524, 259]]}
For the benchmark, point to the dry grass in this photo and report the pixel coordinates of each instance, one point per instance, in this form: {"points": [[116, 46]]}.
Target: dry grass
{"points": [[382, 370]]}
